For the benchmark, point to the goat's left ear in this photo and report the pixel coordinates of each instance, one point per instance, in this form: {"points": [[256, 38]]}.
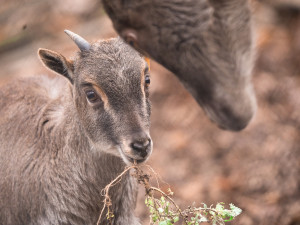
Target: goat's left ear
{"points": [[57, 63]]}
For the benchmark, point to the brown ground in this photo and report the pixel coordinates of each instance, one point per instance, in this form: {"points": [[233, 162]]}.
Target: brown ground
{"points": [[257, 169]]}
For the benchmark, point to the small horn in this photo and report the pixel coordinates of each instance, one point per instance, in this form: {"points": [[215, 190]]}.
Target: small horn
{"points": [[82, 44]]}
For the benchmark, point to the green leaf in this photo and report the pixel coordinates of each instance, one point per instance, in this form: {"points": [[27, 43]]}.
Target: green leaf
{"points": [[176, 219], [212, 213], [202, 219], [226, 213], [150, 202], [154, 218], [219, 207], [235, 210], [169, 222], [214, 221], [229, 219], [163, 223], [167, 208]]}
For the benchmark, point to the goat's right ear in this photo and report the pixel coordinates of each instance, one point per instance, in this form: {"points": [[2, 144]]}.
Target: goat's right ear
{"points": [[56, 62]]}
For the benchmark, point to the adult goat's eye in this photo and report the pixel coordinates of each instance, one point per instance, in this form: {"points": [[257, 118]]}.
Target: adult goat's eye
{"points": [[92, 96], [147, 80]]}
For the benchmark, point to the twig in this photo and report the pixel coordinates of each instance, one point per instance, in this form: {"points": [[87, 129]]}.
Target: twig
{"points": [[107, 200], [157, 177]]}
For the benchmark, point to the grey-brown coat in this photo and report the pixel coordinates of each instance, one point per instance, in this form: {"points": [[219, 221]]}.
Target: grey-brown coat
{"points": [[207, 44], [63, 140]]}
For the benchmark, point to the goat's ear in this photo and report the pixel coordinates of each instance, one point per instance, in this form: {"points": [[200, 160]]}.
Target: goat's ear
{"points": [[57, 62]]}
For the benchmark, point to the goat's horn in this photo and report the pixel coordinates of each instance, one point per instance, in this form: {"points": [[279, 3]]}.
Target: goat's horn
{"points": [[82, 44]]}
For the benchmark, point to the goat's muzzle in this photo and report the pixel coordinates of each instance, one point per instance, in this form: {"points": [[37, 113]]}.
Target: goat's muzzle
{"points": [[139, 149]]}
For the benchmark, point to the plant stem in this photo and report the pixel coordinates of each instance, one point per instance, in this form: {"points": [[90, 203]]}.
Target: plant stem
{"points": [[107, 200]]}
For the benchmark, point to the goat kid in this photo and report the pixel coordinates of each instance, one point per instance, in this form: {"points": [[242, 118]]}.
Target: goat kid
{"points": [[63, 140]]}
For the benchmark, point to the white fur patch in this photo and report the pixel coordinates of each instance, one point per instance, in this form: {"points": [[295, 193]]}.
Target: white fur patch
{"points": [[53, 86]]}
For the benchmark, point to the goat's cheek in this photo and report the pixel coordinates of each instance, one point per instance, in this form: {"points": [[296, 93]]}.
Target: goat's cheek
{"points": [[106, 128], [87, 118], [148, 105]]}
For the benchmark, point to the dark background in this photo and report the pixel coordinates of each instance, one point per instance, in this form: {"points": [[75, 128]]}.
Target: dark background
{"points": [[257, 169]]}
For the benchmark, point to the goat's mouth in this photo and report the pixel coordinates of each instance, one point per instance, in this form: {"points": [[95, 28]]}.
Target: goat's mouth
{"points": [[136, 161], [131, 159]]}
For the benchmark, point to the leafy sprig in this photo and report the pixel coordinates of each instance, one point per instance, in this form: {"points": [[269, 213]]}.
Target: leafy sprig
{"points": [[163, 209]]}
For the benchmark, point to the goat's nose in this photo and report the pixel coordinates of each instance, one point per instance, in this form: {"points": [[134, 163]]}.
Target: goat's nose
{"points": [[141, 146]]}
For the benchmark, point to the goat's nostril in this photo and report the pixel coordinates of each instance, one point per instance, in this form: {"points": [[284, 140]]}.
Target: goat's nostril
{"points": [[141, 145]]}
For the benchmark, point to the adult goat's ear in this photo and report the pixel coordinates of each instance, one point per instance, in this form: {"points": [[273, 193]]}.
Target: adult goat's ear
{"points": [[57, 63]]}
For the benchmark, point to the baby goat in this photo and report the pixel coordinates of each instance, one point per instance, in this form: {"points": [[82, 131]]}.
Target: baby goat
{"points": [[63, 140]]}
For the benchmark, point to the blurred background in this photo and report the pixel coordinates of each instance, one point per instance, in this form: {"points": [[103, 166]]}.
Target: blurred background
{"points": [[257, 169]]}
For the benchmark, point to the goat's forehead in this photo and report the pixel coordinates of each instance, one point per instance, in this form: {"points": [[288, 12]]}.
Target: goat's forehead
{"points": [[112, 57], [111, 64], [114, 51]]}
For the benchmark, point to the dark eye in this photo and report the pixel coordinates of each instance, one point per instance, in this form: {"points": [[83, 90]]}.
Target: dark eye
{"points": [[92, 96], [130, 37], [131, 43], [147, 80]]}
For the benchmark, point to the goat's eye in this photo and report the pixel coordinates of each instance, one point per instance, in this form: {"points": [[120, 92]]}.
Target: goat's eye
{"points": [[92, 96], [131, 43], [147, 80]]}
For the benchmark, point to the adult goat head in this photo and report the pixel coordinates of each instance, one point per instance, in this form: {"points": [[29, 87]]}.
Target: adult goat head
{"points": [[207, 44]]}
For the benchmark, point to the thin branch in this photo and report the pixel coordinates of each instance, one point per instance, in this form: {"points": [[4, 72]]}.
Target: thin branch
{"points": [[107, 200]]}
